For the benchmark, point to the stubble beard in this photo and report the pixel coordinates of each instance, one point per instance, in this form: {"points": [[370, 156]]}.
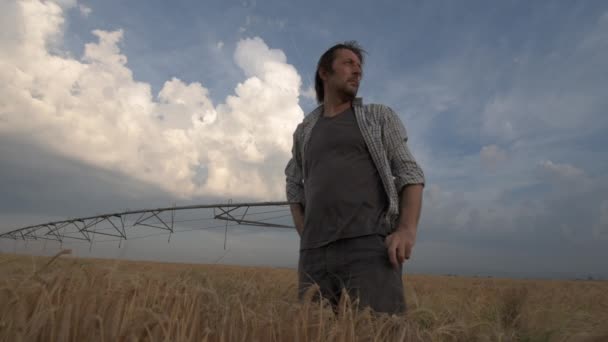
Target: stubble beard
{"points": [[345, 92], [348, 93]]}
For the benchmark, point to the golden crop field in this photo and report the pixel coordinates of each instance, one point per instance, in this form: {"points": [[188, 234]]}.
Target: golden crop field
{"points": [[73, 299]]}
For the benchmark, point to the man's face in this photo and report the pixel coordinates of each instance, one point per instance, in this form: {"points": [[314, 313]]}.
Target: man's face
{"points": [[346, 75]]}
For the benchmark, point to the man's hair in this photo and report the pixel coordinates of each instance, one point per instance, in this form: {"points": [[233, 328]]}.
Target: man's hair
{"points": [[327, 60]]}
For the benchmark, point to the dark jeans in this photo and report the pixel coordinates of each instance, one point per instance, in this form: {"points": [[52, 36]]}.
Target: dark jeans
{"points": [[359, 265]]}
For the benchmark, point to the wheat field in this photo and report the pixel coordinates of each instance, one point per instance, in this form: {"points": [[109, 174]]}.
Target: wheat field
{"points": [[71, 299]]}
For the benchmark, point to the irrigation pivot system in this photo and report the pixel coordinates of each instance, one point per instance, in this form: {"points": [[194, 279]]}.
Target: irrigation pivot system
{"points": [[122, 225]]}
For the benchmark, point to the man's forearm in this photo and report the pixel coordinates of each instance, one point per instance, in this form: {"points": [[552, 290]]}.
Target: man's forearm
{"points": [[297, 211], [410, 203]]}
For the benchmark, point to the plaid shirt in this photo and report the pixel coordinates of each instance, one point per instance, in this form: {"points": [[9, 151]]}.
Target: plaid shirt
{"points": [[386, 140]]}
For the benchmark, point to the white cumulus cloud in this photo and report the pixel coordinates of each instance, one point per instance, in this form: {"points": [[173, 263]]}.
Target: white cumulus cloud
{"points": [[85, 11], [92, 109], [310, 93], [561, 171]]}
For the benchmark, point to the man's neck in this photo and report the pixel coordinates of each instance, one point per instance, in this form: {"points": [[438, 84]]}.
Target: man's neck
{"points": [[333, 106]]}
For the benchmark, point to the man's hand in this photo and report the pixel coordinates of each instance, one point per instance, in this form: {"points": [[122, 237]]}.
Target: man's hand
{"points": [[400, 244]]}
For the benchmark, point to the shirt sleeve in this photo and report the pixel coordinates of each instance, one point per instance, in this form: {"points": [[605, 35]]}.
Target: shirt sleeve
{"points": [[404, 167], [293, 172]]}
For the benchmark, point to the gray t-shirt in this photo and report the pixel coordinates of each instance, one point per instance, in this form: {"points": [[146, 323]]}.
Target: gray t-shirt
{"points": [[343, 189]]}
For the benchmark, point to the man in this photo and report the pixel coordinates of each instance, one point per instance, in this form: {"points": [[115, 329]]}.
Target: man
{"points": [[356, 190]]}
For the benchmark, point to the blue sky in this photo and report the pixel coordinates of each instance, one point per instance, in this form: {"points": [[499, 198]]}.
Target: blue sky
{"points": [[111, 104]]}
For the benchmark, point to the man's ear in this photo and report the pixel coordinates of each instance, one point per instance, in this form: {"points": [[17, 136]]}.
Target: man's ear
{"points": [[323, 74]]}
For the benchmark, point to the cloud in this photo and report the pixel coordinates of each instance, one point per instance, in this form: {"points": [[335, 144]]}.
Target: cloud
{"points": [[561, 171], [548, 98], [497, 122], [505, 106], [310, 93], [43, 183], [252, 20], [92, 109], [66, 4], [491, 156], [443, 210], [85, 11], [486, 91], [250, 4]]}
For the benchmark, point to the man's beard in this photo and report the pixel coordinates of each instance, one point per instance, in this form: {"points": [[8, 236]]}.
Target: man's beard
{"points": [[347, 93]]}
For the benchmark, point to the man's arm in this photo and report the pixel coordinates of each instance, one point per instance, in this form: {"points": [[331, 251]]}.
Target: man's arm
{"points": [[297, 211], [403, 239], [409, 181], [404, 167], [295, 185], [410, 204]]}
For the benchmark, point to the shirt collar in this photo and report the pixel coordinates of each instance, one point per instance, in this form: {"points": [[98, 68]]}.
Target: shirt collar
{"points": [[357, 102]]}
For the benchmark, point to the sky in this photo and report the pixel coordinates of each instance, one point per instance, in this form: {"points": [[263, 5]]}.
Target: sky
{"points": [[108, 105]]}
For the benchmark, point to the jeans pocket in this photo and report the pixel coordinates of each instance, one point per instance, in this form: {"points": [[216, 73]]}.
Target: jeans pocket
{"points": [[374, 245]]}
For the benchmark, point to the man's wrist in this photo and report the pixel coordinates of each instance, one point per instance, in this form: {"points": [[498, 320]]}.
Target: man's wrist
{"points": [[407, 228]]}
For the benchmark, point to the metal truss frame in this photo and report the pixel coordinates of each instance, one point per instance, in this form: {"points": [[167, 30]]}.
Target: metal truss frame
{"points": [[85, 226]]}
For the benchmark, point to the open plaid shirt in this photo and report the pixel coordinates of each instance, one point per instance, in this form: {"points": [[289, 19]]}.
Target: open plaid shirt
{"points": [[386, 139]]}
